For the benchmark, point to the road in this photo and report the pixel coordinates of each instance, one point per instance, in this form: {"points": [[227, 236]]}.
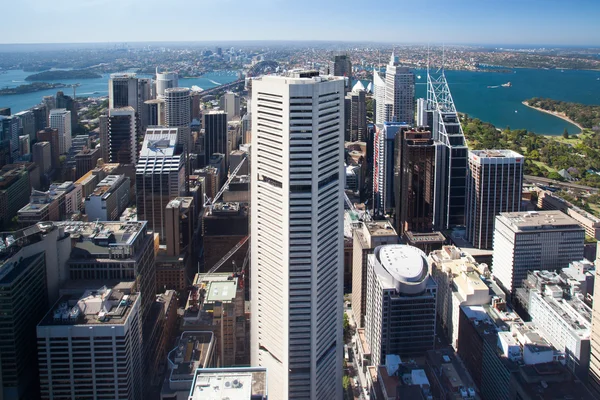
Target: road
{"points": [[568, 185], [224, 87]]}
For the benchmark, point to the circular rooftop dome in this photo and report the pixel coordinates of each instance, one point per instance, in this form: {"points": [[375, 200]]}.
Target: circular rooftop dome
{"points": [[407, 265]]}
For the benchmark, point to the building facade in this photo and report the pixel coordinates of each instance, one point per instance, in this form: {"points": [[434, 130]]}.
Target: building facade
{"points": [[215, 134], [123, 136], [177, 113], [297, 231], [399, 93], [60, 119]]}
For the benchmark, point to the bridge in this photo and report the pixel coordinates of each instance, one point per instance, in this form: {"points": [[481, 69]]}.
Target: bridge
{"points": [[223, 88]]}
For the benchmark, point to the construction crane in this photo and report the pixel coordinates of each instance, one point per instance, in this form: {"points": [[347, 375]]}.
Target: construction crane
{"points": [[75, 85], [208, 202], [227, 256], [366, 215]]}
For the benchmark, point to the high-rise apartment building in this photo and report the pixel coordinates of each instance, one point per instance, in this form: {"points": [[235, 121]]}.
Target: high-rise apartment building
{"points": [[399, 93], [165, 80], [215, 134], [356, 116], [99, 331], [177, 113], [297, 234], [401, 302], [60, 119], [123, 135], [414, 172], [494, 185], [160, 176], [383, 166], [527, 241], [365, 239]]}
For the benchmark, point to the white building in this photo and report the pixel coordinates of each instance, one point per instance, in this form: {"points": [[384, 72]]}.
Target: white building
{"points": [[99, 331], [399, 93], [297, 233], [399, 289], [177, 112], [247, 383], [526, 241], [422, 112], [459, 284], [60, 119], [109, 199], [230, 103], [379, 96], [165, 80]]}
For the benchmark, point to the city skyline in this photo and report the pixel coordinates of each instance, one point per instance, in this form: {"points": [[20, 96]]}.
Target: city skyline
{"points": [[511, 22]]}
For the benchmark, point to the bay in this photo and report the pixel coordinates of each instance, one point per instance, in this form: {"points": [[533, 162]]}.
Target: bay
{"points": [[90, 87]]}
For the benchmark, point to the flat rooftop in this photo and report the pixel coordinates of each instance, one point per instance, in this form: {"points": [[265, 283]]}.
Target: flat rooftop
{"points": [[230, 383], [224, 291], [496, 154], [428, 237], [193, 350], [100, 305], [529, 220]]}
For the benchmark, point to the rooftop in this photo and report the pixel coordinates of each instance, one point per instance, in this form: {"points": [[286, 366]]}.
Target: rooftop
{"points": [[529, 220], [230, 383], [425, 237], [495, 154], [106, 185], [223, 291], [102, 305], [192, 351]]}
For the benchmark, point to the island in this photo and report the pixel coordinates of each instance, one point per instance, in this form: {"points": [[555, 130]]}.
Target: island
{"points": [[581, 115], [32, 87], [63, 74]]}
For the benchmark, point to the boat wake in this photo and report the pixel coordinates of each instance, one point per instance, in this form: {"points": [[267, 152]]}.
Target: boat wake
{"points": [[214, 82], [493, 87]]}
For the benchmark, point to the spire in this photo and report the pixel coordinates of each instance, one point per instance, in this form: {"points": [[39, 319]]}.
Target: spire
{"points": [[392, 58]]}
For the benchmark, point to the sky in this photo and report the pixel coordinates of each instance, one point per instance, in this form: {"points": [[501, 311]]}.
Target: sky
{"points": [[501, 22]]}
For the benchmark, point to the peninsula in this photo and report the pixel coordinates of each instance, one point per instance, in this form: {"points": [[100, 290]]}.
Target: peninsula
{"points": [[63, 74], [32, 87], [580, 115]]}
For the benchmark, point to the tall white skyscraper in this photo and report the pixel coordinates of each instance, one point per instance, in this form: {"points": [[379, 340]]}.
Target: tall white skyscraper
{"points": [[399, 93], [379, 95], [165, 80], [60, 119], [297, 234], [177, 112]]}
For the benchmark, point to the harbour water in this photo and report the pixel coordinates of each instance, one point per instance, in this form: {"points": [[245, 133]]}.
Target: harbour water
{"points": [[496, 104]]}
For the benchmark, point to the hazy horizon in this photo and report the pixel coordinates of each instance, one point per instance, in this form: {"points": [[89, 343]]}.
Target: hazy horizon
{"points": [[510, 22]]}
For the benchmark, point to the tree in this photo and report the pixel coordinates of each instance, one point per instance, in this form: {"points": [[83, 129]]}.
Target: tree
{"points": [[346, 382], [555, 176], [566, 133], [346, 326]]}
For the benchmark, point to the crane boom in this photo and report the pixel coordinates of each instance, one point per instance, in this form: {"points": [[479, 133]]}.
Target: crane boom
{"points": [[208, 201], [226, 257]]}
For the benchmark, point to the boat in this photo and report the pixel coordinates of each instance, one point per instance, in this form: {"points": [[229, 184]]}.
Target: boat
{"points": [[96, 93], [507, 84]]}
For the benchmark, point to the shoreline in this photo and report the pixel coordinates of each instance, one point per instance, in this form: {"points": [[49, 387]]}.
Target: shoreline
{"points": [[556, 114]]}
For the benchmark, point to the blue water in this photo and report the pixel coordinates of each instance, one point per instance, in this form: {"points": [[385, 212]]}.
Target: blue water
{"points": [[20, 102]]}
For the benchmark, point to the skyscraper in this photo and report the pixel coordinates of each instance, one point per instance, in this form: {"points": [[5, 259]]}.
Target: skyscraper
{"points": [[230, 103], [165, 80], [494, 185], [51, 136], [594, 373], [122, 91], [68, 103], [379, 98], [297, 234], [215, 134], [399, 93], [414, 172], [383, 166], [356, 115], [60, 119], [122, 136], [177, 113], [342, 66], [527, 241], [160, 176], [9, 134]]}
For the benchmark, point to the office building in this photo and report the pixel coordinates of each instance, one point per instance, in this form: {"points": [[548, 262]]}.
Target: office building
{"points": [[216, 304], [154, 113], [397, 379], [40, 118], [527, 241], [249, 383], [9, 134], [123, 135], [342, 67], [68, 103], [26, 123], [177, 113], [297, 234], [414, 172], [5, 111], [42, 156], [383, 166], [494, 185], [594, 370], [14, 192], [399, 93], [49, 102], [165, 80], [51, 136], [24, 301], [60, 119], [183, 364], [57, 204], [109, 199], [223, 227], [99, 331], [461, 281], [366, 238], [123, 91], [448, 376], [160, 176], [379, 98], [86, 160], [215, 133], [230, 103], [399, 289], [356, 115]]}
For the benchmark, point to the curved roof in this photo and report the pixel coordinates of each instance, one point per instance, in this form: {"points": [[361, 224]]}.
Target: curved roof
{"points": [[358, 87], [404, 263], [370, 87], [377, 81]]}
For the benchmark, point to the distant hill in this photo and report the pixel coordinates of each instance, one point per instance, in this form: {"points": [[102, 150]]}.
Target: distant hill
{"points": [[63, 74]]}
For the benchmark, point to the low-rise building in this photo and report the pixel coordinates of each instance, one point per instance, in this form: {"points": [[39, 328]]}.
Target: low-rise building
{"points": [[109, 199], [448, 376], [248, 383]]}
